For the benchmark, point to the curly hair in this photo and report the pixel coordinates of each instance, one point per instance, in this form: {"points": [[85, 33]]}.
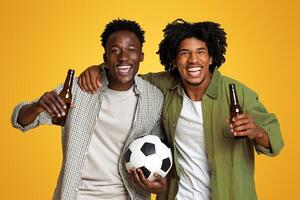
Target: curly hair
{"points": [[122, 25], [209, 32]]}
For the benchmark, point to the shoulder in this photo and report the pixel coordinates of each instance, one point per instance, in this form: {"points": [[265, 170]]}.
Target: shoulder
{"points": [[164, 76], [163, 80], [78, 94], [240, 87], [148, 89]]}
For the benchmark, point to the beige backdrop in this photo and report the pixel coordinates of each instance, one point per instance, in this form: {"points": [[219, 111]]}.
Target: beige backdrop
{"points": [[40, 40]]}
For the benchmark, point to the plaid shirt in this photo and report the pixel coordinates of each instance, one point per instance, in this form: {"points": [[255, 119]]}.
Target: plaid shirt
{"points": [[80, 125]]}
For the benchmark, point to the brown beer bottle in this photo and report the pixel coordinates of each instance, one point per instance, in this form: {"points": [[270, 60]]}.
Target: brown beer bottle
{"points": [[235, 108], [66, 95]]}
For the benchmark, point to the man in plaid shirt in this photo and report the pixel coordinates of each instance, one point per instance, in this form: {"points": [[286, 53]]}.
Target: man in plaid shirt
{"points": [[102, 124]]}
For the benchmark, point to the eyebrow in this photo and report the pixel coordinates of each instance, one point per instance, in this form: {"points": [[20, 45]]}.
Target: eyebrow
{"points": [[201, 48], [130, 45]]}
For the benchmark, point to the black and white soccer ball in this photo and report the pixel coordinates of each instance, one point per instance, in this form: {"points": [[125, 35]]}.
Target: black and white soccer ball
{"points": [[149, 154]]}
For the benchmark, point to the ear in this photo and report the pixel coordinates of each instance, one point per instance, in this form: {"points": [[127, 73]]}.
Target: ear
{"points": [[210, 60], [142, 57], [174, 63], [104, 57]]}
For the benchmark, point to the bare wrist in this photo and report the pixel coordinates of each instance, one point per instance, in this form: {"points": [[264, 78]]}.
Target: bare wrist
{"points": [[37, 108]]}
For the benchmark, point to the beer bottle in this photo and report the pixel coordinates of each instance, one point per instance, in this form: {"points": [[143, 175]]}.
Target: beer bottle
{"points": [[66, 95], [235, 108]]}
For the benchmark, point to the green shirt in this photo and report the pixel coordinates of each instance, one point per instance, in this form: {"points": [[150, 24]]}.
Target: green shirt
{"points": [[231, 161]]}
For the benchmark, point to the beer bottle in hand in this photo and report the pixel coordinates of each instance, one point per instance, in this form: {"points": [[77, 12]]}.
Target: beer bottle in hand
{"points": [[235, 108], [66, 96]]}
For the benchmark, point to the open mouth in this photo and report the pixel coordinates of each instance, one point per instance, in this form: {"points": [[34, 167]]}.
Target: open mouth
{"points": [[194, 71], [123, 69]]}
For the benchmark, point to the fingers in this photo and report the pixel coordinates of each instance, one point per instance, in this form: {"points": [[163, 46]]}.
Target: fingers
{"points": [[159, 178], [95, 79], [134, 177], [160, 182], [130, 174], [243, 125], [52, 104], [89, 80], [139, 178], [60, 104], [241, 116], [82, 82], [155, 186]]}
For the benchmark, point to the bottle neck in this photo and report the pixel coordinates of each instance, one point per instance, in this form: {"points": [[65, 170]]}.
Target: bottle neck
{"points": [[69, 81], [233, 96]]}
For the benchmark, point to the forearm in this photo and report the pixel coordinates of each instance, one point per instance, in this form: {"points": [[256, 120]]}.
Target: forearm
{"points": [[28, 114], [262, 138]]}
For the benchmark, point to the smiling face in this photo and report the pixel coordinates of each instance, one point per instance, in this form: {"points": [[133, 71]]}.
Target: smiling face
{"points": [[193, 62], [123, 54]]}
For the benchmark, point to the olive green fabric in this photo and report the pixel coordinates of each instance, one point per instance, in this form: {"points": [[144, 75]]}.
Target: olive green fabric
{"points": [[231, 161]]}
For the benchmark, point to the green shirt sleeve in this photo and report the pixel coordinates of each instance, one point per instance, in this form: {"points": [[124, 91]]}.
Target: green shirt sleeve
{"points": [[265, 120], [153, 78], [162, 80]]}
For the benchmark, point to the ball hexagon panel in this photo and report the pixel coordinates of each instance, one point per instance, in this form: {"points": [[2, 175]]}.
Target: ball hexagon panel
{"points": [[162, 150], [166, 164], [146, 172], [148, 149], [127, 155], [153, 163], [137, 159]]}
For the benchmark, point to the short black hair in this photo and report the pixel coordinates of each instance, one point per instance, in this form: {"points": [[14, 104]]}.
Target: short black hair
{"points": [[209, 32], [122, 25]]}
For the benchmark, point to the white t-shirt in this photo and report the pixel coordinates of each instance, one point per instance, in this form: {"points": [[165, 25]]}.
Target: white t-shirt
{"points": [[192, 159], [100, 176]]}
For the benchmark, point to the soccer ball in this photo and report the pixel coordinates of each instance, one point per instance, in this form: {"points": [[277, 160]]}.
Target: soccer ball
{"points": [[149, 154]]}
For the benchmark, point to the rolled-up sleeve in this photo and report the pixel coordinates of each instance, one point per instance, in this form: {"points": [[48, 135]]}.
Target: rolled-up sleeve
{"points": [[268, 122], [43, 118]]}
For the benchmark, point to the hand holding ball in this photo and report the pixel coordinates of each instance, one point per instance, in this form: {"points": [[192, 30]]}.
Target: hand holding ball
{"points": [[149, 154]]}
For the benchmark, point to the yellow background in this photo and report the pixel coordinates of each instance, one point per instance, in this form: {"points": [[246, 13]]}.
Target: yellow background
{"points": [[40, 40]]}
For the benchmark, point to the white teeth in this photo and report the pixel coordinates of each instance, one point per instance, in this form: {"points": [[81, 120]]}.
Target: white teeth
{"points": [[194, 69], [124, 69]]}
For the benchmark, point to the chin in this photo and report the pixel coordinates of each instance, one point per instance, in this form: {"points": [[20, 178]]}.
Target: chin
{"points": [[126, 81], [195, 83]]}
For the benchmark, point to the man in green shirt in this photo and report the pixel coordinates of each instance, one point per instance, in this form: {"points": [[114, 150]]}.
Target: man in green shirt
{"points": [[209, 163]]}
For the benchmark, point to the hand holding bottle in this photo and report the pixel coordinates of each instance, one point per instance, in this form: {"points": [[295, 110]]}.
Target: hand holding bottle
{"points": [[243, 125], [56, 105], [64, 98], [52, 103]]}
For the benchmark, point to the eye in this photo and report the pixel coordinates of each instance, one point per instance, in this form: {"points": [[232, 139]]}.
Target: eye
{"points": [[115, 51], [131, 49], [183, 53], [202, 51]]}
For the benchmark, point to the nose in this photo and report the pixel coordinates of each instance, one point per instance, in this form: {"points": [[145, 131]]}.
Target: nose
{"points": [[123, 56], [193, 58]]}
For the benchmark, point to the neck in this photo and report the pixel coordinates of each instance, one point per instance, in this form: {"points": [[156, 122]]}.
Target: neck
{"points": [[120, 87], [196, 92]]}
